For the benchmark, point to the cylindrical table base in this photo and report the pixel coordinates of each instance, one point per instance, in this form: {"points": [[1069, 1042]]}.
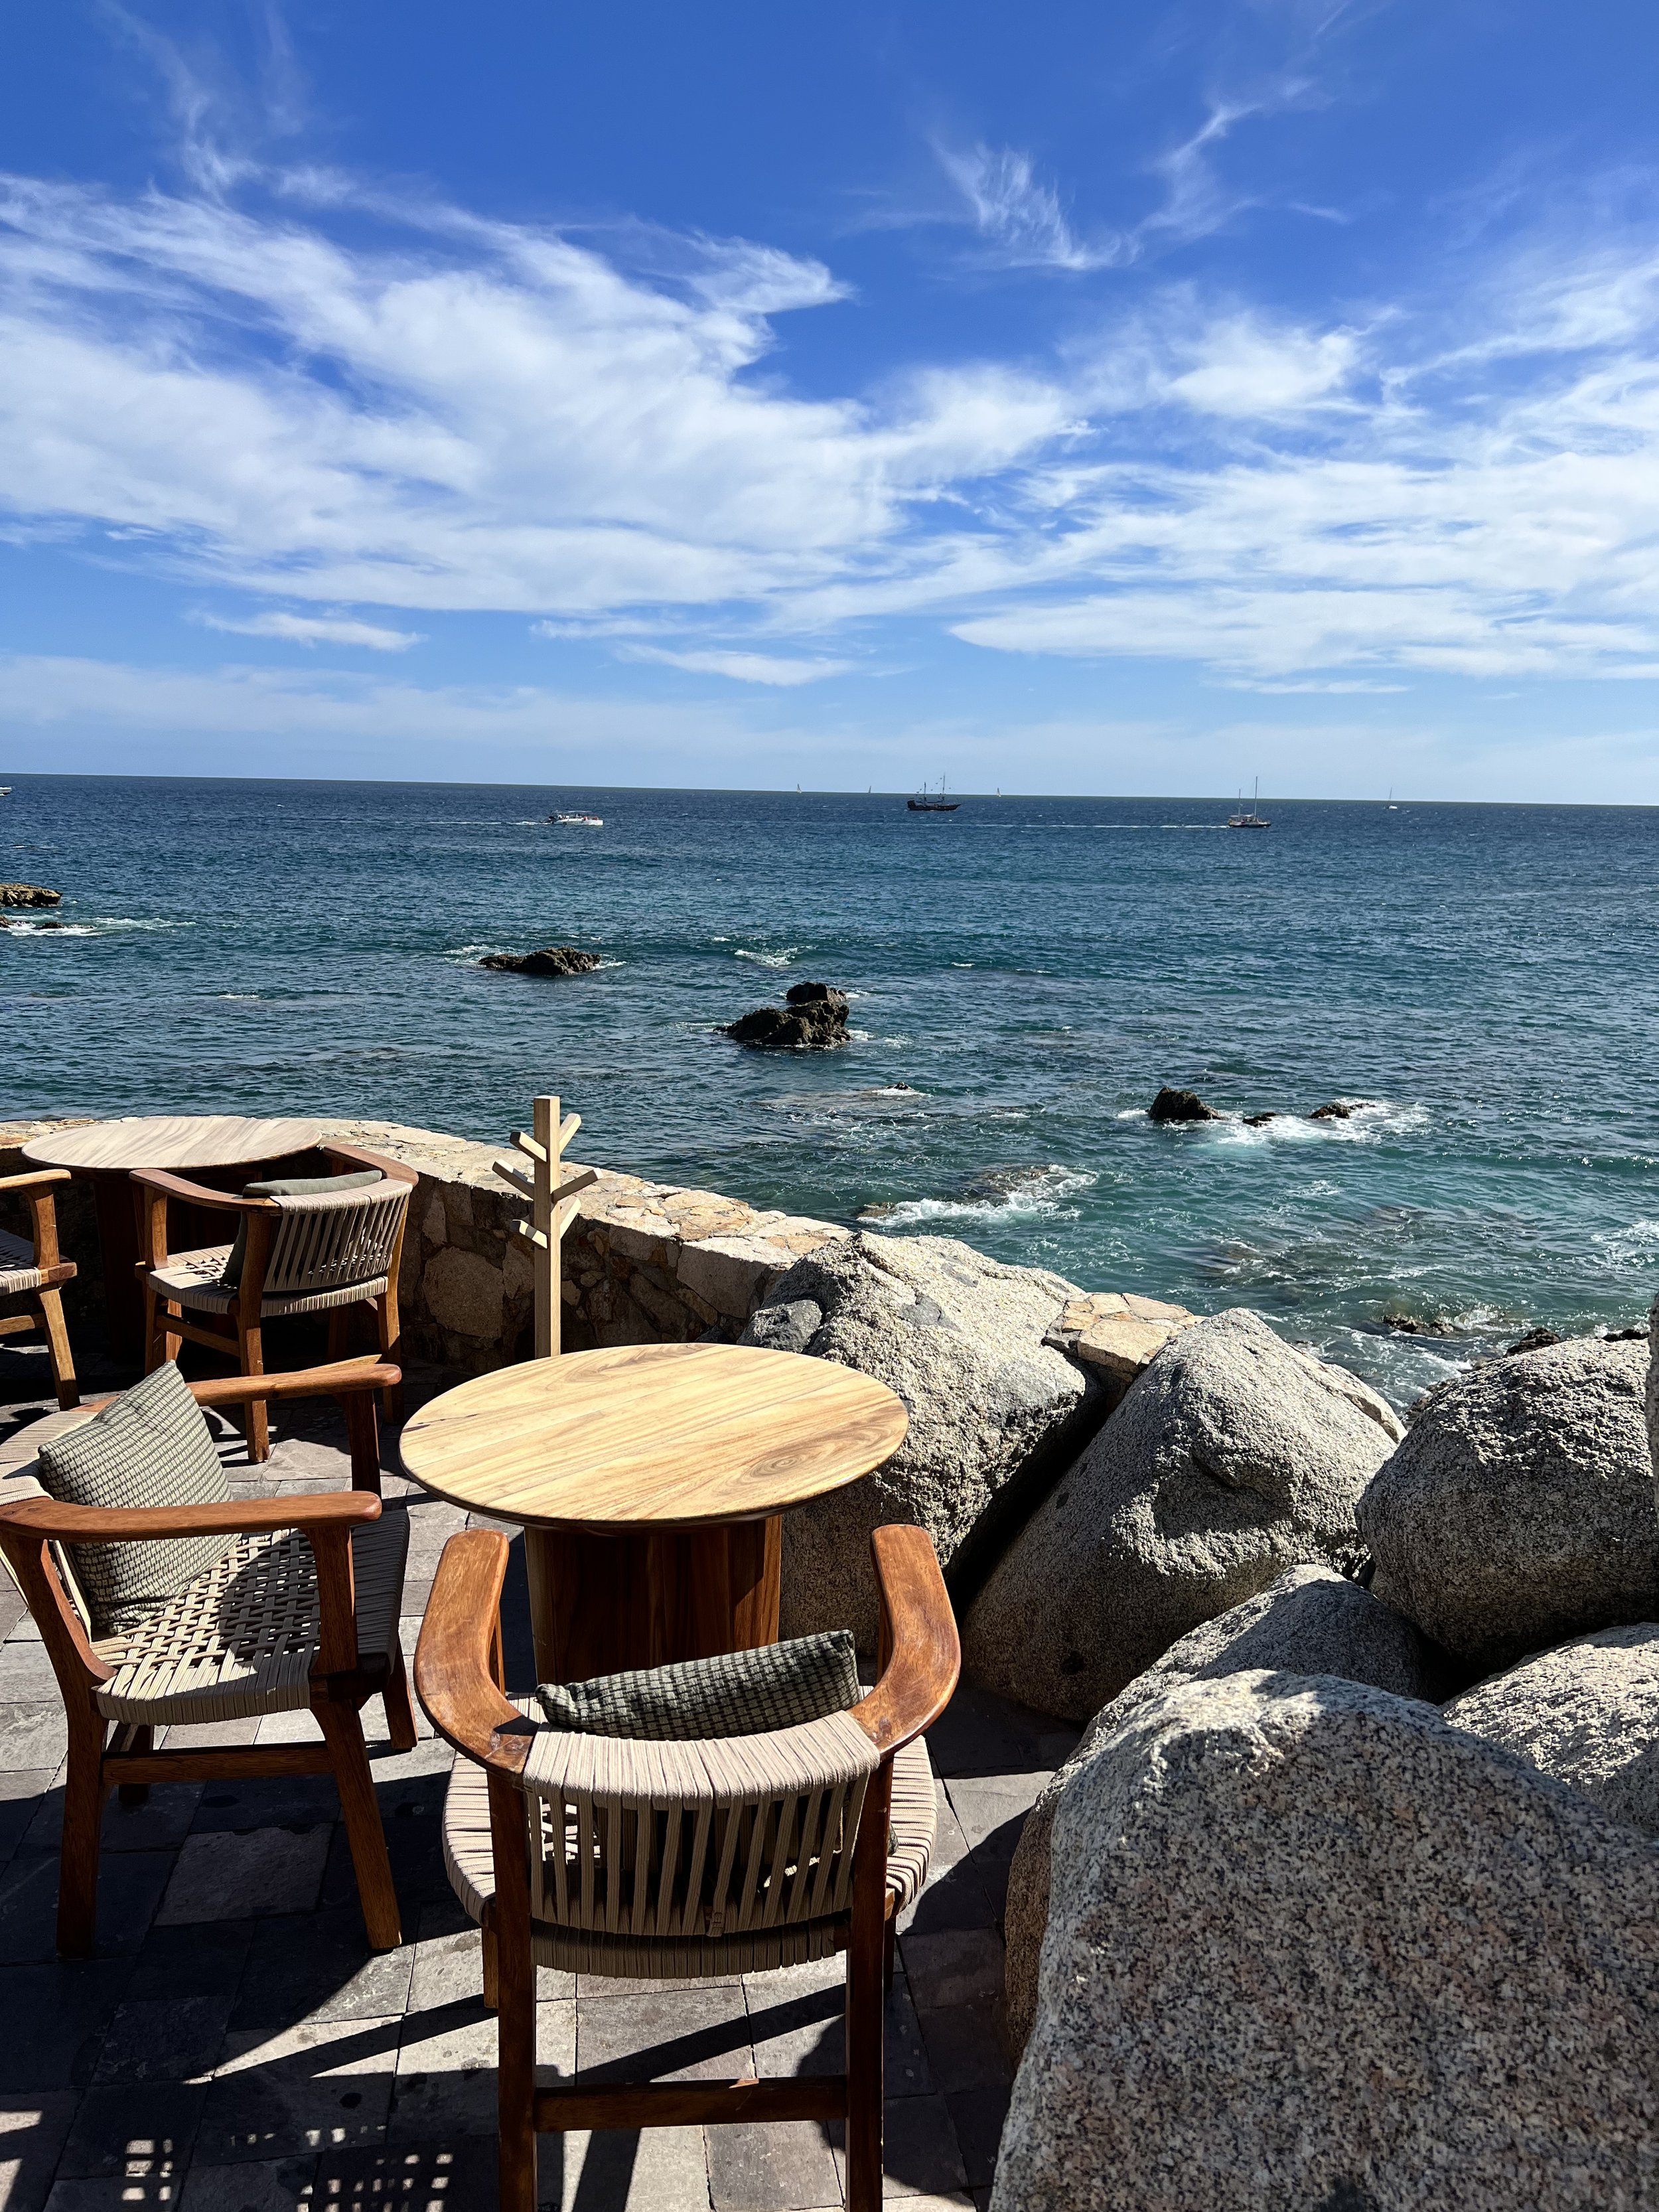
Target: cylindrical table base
{"points": [[599, 1605]]}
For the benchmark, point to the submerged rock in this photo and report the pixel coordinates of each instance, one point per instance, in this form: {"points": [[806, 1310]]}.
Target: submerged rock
{"points": [[551, 960], [1259, 1120], [1336, 1109], [28, 894], [815, 1017], [1519, 1509], [1181, 1106], [1587, 1712], [1233, 1457], [1310, 1946], [960, 1338], [1308, 1621]]}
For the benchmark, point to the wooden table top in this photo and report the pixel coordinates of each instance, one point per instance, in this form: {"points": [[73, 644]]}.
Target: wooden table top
{"points": [[172, 1141], [653, 1436]]}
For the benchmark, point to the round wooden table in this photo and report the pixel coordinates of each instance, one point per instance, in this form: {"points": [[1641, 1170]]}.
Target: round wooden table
{"points": [[198, 1144], [651, 1480]]}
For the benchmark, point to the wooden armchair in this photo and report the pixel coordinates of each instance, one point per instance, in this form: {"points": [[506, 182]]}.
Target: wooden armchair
{"points": [[301, 1612], [683, 1859], [35, 1272], [321, 1253]]}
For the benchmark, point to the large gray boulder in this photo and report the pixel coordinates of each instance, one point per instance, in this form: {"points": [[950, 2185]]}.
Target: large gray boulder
{"points": [[1587, 1712], [1308, 1621], [1311, 1949], [959, 1338], [1520, 1511], [1233, 1457]]}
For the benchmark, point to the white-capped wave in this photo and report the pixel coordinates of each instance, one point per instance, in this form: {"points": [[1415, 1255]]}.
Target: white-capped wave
{"points": [[768, 959], [999, 1194]]}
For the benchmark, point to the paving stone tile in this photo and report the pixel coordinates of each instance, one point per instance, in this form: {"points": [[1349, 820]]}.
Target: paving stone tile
{"points": [[455, 2175], [26, 1674], [955, 1895], [980, 1733], [654, 2170], [954, 1967], [109, 2194], [214, 1736], [992, 1813], [163, 2039], [274, 1801], [920, 2157], [22, 1790], [977, 2116], [445, 2081], [319, 1967], [184, 1962], [798, 2028], [964, 2050], [772, 2167], [431, 1755], [694, 2034], [32, 1734], [247, 1876], [67, 2006], [258, 2185], [137, 2132], [33, 2128], [324, 2085], [13, 1608], [159, 1824]]}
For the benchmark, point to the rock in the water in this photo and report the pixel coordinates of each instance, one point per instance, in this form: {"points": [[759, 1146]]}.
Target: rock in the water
{"points": [[1259, 1120], [1181, 1106], [1587, 1712], [960, 1338], [1117, 1332], [815, 1017], [1535, 1340], [28, 894], [551, 960], [1519, 1511], [1233, 1457], [1311, 1948], [1334, 1109], [1309, 1621]]}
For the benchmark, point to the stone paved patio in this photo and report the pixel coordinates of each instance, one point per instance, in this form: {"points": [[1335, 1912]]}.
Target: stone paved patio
{"points": [[234, 2047]]}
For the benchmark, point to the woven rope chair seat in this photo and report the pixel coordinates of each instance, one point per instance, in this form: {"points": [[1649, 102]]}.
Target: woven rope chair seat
{"points": [[241, 1639], [192, 1279], [737, 1808], [18, 1271]]}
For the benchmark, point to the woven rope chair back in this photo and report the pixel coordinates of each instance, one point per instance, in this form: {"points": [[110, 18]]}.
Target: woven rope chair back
{"points": [[668, 1842], [323, 1242]]}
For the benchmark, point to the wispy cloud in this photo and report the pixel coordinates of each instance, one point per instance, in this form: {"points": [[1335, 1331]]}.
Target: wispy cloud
{"points": [[742, 667], [1020, 217], [312, 629]]}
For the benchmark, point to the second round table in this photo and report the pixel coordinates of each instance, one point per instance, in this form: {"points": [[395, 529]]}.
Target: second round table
{"points": [[650, 1481]]}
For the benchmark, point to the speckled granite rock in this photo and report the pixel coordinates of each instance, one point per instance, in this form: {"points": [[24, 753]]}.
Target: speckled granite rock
{"points": [[1587, 1712], [1233, 1457], [1519, 1511], [960, 1338], [1312, 1949], [1308, 1621]]}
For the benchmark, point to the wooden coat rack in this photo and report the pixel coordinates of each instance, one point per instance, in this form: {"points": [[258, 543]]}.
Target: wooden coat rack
{"points": [[552, 1209]]}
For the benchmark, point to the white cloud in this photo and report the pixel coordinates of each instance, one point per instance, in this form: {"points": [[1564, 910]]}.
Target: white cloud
{"points": [[744, 667], [313, 629], [1021, 217]]}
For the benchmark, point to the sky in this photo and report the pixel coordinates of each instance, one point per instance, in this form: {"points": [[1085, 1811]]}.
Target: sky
{"points": [[1085, 398]]}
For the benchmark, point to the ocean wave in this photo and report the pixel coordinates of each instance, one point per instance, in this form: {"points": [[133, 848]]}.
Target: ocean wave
{"points": [[1027, 1191], [783, 959], [1630, 1246], [91, 925]]}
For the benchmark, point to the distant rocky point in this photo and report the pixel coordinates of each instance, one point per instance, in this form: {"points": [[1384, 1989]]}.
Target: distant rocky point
{"points": [[551, 960], [28, 894], [814, 1016]]}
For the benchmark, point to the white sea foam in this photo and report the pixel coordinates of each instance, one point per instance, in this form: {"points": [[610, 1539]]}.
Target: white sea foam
{"points": [[768, 959], [1028, 1192]]}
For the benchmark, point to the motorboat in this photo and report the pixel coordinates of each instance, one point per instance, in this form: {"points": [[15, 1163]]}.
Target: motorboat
{"points": [[579, 821]]}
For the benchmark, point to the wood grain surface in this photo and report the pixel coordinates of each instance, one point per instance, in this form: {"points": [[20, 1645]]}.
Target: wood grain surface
{"points": [[171, 1140], [653, 1436]]}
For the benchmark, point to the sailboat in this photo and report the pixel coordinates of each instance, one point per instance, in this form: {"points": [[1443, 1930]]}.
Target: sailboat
{"points": [[931, 802], [1252, 820], [1392, 809]]}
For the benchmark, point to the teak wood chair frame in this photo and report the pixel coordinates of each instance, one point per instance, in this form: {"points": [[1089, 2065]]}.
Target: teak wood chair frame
{"points": [[242, 1338], [46, 1273], [551, 1210], [104, 1754], [458, 1674]]}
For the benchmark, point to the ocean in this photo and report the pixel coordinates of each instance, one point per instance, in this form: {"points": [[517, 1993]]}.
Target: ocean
{"points": [[1482, 982]]}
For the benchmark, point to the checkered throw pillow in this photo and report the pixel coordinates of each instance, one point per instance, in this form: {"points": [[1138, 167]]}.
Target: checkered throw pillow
{"points": [[737, 1694], [150, 1446]]}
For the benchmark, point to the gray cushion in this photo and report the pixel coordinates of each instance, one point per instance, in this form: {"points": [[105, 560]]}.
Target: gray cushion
{"points": [[289, 1186], [737, 1694], [150, 1446]]}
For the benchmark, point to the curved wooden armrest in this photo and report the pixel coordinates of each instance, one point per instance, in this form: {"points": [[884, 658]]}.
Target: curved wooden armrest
{"points": [[393, 1170], [341, 1380], [197, 1193], [237, 1516], [452, 1675], [36, 1179], [920, 1677]]}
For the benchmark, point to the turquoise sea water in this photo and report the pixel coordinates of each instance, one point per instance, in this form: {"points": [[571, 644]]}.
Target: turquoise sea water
{"points": [[1025, 973]]}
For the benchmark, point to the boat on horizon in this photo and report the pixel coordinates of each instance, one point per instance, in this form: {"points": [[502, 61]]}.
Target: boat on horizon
{"points": [[931, 802], [1252, 820], [585, 821]]}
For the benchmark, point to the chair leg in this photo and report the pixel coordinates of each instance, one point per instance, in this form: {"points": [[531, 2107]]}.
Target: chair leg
{"points": [[77, 1866], [250, 1343], [492, 1972], [515, 2068], [135, 1738], [391, 1333], [58, 1347], [343, 1730], [866, 2001], [399, 1711], [889, 1947]]}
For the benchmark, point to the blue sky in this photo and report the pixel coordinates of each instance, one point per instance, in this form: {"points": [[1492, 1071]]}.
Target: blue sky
{"points": [[1074, 399]]}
